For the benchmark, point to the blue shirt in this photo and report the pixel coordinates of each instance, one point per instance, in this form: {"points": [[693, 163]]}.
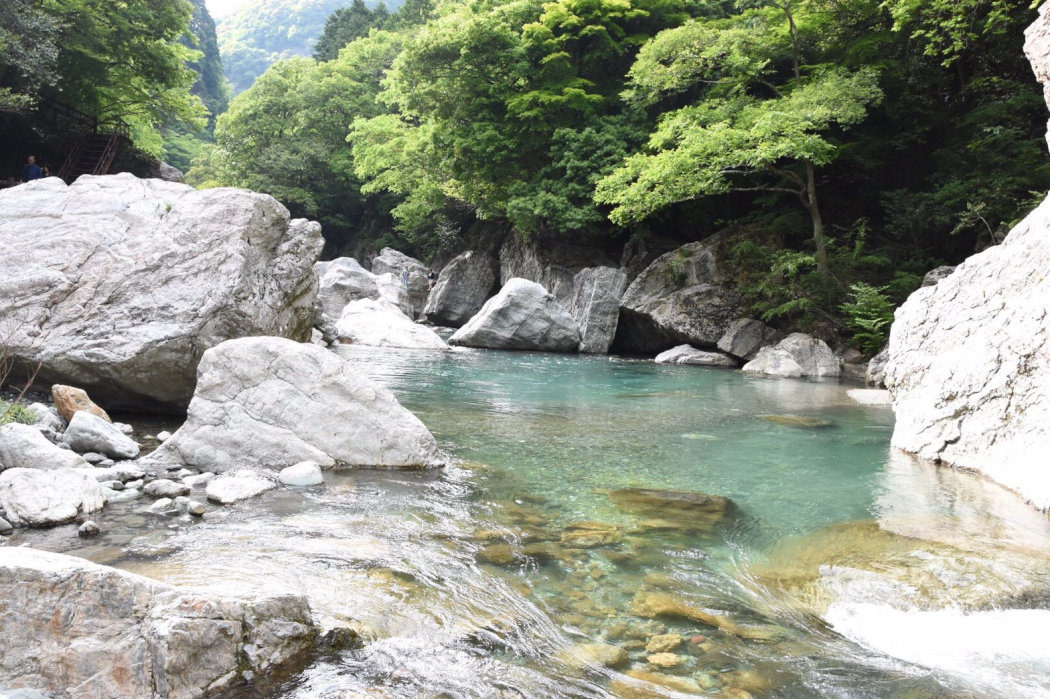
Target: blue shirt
{"points": [[31, 172]]}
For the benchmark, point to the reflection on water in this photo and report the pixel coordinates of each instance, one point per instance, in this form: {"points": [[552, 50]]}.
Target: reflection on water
{"points": [[526, 571]]}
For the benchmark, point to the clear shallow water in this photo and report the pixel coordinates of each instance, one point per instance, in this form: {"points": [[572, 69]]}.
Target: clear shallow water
{"points": [[464, 584]]}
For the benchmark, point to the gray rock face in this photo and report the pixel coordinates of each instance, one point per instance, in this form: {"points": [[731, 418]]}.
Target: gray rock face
{"points": [[796, 356], [969, 364], [746, 336], [379, 324], [522, 316], [118, 285], [75, 628], [390, 261], [90, 433], [170, 173], [686, 354], [552, 262], [596, 296], [685, 296], [341, 281], [34, 498], [876, 373], [462, 288], [164, 488], [271, 403], [937, 274], [23, 446]]}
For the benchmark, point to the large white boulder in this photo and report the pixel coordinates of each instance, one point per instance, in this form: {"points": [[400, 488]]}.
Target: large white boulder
{"points": [[969, 358], [796, 356], [462, 288], [380, 324], [24, 446], [236, 486], [596, 296], [90, 433], [118, 285], [75, 628], [969, 364], [36, 498], [522, 316], [271, 403], [390, 261], [341, 281]]}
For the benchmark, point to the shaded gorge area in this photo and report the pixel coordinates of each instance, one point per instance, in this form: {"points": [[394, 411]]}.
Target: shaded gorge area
{"points": [[566, 553]]}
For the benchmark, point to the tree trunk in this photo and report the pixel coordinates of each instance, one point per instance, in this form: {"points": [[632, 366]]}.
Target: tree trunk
{"points": [[813, 206]]}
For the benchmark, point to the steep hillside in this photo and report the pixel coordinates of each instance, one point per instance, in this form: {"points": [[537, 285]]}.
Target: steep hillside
{"points": [[263, 32]]}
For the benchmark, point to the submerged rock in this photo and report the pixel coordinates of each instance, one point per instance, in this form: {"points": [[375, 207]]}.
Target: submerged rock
{"points": [[380, 324], [270, 403], [462, 288], [798, 421], [23, 446], [108, 633], [118, 285], [687, 354], [586, 535], [35, 498], [595, 305], [585, 655], [90, 433], [796, 356], [692, 509], [522, 316]]}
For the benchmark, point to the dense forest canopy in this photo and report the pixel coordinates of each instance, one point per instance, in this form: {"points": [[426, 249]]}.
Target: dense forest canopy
{"points": [[865, 140]]}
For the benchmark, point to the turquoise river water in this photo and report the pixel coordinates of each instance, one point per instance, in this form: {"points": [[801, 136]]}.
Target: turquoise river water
{"points": [[840, 569]]}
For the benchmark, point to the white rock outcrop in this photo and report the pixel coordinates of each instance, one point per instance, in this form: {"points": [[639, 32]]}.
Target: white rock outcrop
{"points": [[391, 261], [969, 358], [796, 356], [746, 336], [267, 402], [686, 354], [75, 628], [341, 281], [380, 324], [24, 446], [236, 486], [522, 316], [118, 285], [36, 498], [462, 288], [595, 305]]}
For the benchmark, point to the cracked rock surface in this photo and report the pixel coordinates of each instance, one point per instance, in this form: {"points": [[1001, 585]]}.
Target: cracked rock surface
{"points": [[270, 403], [83, 630], [118, 285]]}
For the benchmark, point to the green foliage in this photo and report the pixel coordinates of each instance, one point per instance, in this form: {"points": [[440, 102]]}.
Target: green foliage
{"points": [[347, 24], [15, 412], [869, 314], [28, 52], [286, 135]]}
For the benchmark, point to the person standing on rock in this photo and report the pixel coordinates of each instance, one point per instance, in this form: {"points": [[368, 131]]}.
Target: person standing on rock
{"points": [[431, 277], [31, 171], [404, 276]]}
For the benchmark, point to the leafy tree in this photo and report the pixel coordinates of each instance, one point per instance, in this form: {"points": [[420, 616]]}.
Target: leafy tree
{"points": [[764, 122], [286, 135], [869, 315], [346, 24], [28, 52], [125, 60]]}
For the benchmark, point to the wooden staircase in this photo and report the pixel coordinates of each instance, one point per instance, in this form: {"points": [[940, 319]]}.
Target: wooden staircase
{"points": [[93, 154]]}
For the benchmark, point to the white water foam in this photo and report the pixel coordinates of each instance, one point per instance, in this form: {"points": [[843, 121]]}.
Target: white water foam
{"points": [[1000, 652]]}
